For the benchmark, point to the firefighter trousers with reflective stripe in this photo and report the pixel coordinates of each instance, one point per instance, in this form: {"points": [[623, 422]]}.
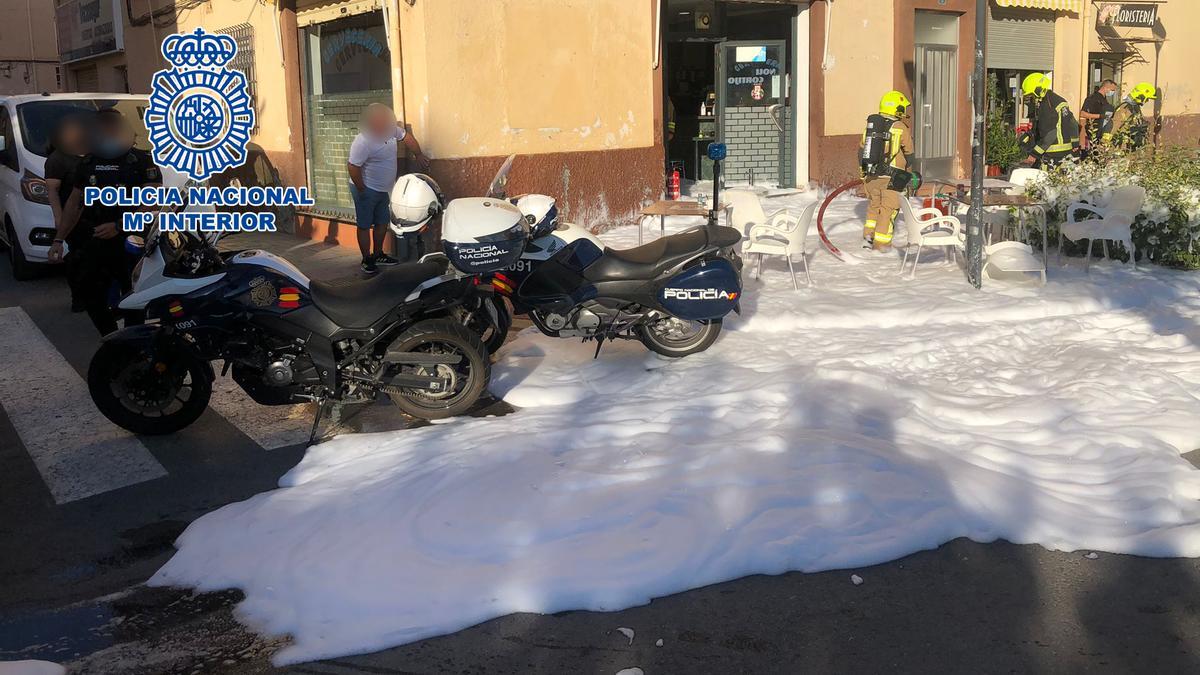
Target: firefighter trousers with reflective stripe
{"points": [[882, 205]]}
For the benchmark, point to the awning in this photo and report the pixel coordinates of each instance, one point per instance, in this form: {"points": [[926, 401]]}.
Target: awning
{"points": [[1052, 5]]}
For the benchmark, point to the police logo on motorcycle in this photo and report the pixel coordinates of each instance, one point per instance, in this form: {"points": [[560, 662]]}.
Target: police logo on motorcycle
{"points": [[698, 294]]}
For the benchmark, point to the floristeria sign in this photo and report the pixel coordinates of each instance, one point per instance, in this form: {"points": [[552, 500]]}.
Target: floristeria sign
{"points": [[1128, 14]]}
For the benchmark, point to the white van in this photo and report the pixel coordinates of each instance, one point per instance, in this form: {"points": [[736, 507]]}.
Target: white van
{"points": [[27, 123]]}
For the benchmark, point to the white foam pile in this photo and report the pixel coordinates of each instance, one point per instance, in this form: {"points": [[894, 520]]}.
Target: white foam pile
{"points": [[835, 427]]}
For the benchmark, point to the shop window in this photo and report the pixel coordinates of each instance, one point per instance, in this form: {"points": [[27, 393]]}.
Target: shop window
{"points": [[347, 66]]}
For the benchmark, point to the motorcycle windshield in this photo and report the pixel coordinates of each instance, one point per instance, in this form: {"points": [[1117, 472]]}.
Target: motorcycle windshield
{"points": [[499, 184]]}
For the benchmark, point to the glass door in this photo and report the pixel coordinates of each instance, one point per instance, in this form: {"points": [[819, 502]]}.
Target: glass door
{"points": [[753, 111], [347, 66]]}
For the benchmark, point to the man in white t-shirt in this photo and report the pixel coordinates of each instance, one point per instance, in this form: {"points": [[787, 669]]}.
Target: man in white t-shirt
{"points": [[373, 169]]}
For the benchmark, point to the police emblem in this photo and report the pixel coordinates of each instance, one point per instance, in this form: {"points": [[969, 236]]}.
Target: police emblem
{"points": [[263, 295], [200, 115]]}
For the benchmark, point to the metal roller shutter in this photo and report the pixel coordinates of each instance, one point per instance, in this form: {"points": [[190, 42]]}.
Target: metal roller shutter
{"points": [[87, 79], [1020, 39]]}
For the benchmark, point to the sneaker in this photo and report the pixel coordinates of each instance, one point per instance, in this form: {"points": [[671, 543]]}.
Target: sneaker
{"points": [[385, 259], [368, 266]]}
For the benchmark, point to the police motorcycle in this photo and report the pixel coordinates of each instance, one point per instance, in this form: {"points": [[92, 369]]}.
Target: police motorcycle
{"points": [[671, 294], [285, 338]]}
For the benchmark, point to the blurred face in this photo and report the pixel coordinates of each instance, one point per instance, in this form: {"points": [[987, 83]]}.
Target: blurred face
{"points": [[381, 122], [114, 138], [71, 137]]}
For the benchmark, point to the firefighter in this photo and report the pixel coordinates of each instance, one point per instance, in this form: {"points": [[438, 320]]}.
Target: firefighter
{"points": [[885, 154], [1055, 134], [1130, 128]]}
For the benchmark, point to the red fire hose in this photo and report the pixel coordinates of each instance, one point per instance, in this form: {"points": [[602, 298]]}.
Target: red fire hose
{"points": [[821, 215]]}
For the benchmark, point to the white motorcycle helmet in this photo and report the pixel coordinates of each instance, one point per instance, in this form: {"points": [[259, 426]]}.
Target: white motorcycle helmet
{"points": [[416, 199]]}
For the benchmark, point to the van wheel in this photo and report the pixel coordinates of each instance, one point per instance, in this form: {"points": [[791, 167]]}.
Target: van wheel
{"points": [[22, 269]]}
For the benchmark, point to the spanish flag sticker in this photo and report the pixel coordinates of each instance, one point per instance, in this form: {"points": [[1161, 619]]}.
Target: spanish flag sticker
{"points": [[175, 308], [502, 283], [289, 297]]}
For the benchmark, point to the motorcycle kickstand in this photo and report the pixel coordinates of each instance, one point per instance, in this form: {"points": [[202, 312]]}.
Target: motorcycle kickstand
{"points": [[312, 434]]}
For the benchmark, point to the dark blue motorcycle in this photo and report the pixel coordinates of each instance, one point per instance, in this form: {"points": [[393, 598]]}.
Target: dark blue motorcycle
{"points": [[671, 294]]}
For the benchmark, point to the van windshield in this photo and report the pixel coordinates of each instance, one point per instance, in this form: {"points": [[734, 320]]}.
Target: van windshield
{"points": [[39, 119]]}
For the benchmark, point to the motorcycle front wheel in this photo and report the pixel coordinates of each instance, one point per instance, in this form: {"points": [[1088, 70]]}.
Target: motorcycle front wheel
{"points": [[149, 395], [676, 337], [468, 378]]}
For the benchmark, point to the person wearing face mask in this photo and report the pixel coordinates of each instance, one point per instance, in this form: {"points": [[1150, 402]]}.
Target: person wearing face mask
{"points": [[97, 259], [1097, 114]]}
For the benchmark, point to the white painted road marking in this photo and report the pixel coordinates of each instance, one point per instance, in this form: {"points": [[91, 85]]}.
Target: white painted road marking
{"points": [[272, 427], [77, 450]]}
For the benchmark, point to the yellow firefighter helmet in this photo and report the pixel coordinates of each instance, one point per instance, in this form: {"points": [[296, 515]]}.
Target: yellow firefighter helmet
{"points": [[894, 103], [1143, 92], [1036, 85]]}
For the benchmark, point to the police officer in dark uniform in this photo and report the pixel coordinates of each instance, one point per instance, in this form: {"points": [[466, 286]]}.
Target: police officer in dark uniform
{"points": [[97, 258]]}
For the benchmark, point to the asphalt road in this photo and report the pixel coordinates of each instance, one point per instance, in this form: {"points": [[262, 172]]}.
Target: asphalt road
{"points": [[71, 569]]}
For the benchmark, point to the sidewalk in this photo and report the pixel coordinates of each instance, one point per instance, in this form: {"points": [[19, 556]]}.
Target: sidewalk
{"points": [[317, 259]]}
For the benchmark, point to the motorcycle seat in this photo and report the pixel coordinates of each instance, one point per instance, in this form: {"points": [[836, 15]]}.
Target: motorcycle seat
{"points": [[358, 303], [650, 260]]}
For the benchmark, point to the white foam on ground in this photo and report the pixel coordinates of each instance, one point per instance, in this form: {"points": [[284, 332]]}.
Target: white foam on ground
{"points": [[834, 427]]}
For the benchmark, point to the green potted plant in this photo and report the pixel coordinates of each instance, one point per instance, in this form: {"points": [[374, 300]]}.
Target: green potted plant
{"points": [[1002, 151]]}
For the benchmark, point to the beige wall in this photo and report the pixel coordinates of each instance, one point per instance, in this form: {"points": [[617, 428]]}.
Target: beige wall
{"points": [[528, 76], [1178, 61], [279, 132], [859, 64], [28, 47]]}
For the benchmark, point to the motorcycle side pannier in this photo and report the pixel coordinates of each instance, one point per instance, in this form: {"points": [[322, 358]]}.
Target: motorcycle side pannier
{"points": [[482, 234], [704, 290]]}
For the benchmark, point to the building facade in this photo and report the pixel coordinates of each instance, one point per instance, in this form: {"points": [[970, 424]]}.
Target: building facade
{"points": [[601, 99], [28, 49]]}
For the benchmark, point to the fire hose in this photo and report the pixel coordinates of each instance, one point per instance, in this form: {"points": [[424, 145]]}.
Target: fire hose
{"points": [[821, 216]]}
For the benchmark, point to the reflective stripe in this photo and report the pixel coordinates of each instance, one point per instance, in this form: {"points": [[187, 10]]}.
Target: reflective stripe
{"points": [[896, 141], [882, 237], [1059, 147], [1058, 125]]}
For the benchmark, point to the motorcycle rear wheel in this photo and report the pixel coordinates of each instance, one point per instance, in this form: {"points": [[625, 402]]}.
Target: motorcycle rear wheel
{"points": [[675, 338], [145, 395], [491, 321], [469, 378]]}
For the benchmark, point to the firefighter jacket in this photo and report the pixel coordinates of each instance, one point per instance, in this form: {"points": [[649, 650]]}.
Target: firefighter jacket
{"points": [[1055, 130], [899, 150], [1130, 129]]}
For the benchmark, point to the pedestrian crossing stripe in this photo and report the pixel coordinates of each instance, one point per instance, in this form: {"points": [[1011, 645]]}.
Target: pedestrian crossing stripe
{"points": [[79, 452]]}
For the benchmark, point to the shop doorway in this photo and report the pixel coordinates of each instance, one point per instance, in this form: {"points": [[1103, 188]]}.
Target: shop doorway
{"points": [[346, 66], [935, 92], [729, 74]]}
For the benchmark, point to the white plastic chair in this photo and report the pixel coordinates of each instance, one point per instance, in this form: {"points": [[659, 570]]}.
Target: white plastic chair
{"points": [[926, 227], [782, 234], [1115, 222], [1007, 258]]}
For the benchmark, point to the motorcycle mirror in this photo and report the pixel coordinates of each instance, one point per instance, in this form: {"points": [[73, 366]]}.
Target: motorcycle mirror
{"points": [[497, 188], [716, 151]]}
